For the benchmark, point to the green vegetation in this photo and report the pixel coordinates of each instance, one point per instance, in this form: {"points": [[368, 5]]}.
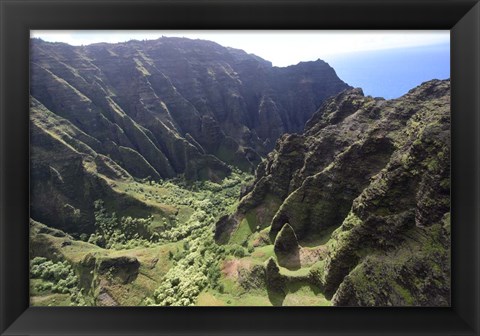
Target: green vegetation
{"points": [[55, 277], [196, 267], [120, 233], [180, 263], [242, 232], [354, 212]]}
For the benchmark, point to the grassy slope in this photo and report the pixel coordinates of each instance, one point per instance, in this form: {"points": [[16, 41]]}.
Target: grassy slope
{"points": [[184, 216]]}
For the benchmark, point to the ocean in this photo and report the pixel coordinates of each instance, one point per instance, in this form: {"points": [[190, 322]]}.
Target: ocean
{"points": [[392, 73]]}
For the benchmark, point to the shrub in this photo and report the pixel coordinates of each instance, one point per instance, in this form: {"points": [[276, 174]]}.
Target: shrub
{"points": [[236, 251], [58, 277], [118, 233]]}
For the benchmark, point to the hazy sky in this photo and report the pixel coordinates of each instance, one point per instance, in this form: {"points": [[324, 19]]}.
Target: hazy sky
{"points": [[282, 48]]}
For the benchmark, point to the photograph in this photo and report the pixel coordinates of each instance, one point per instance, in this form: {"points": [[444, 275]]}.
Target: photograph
{"points": [[240, 168]]}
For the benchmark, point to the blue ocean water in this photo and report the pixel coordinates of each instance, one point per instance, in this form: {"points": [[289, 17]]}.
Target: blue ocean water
{"points": [[392, 73]]}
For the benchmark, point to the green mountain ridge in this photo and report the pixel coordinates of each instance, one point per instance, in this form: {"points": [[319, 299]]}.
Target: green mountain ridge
{"points": [[376, 172], [160, 109], [142, 193]]}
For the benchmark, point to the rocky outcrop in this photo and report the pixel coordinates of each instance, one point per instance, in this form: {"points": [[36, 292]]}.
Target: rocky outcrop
{"points": [[377, 174], [276, 282], [98, 274], [252, 277], [324, 199], [417, 273], [286, 248], [411, 194]]}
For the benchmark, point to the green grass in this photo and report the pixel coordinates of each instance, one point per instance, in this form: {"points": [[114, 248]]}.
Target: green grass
{"points": [[241, 233], [299, 293], [300, 273], [54, 299], [207, 298], [250, 300], [189, 211], [230, 286], [74, 253], [245, 229], [233, 296], [304, 294], [263, 253]]}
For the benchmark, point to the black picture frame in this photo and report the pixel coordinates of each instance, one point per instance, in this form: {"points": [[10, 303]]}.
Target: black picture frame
{"points": [[18, 17]]}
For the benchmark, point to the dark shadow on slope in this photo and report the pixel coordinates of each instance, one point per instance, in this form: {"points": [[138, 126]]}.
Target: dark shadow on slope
{"points": [[276, 297], [291, 260]]}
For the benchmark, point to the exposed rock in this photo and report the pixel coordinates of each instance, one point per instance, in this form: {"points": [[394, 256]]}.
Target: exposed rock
{"points": [[155, 110], [105, 299], [156, 106], [98, 272], [378, 172], [123, 269], [415, 274], [365, 189], [286, 248], [324, 199], [297, 158], [395, 203], [275, 281], [252, 277], [68, 176], [86, 273]]}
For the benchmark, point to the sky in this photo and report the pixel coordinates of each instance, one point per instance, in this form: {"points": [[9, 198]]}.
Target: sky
{"points": [[384, 63], [274, 46]]}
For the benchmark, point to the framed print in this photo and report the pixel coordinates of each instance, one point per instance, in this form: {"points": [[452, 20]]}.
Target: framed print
{"points": [[204, 167]]}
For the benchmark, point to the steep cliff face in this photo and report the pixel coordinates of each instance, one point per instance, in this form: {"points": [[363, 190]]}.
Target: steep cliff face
{"points": [[369, 180], [170, 106], [67, 174], [155, 109]]}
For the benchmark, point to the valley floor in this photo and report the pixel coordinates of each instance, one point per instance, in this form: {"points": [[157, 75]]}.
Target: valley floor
{"points": [[167, 255]]}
